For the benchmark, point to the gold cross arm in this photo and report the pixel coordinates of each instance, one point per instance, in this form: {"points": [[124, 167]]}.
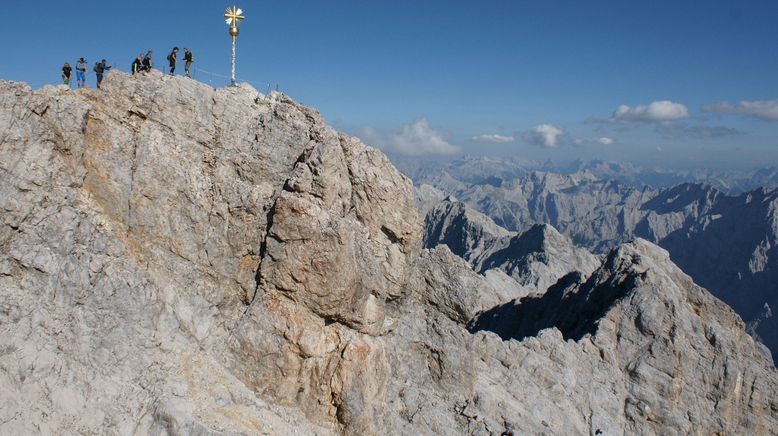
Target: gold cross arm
{"points": [[234, 16]]}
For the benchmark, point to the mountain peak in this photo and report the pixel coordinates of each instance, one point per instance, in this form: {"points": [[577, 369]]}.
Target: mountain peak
{"points": [[174, 233], [178, 259]]}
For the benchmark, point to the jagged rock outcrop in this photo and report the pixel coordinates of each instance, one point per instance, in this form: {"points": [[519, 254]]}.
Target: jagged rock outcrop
{"points": [[537, 258], [176, 259], [728, 244], [464, 230], [447, 283], [534, 259], [628, 351]]}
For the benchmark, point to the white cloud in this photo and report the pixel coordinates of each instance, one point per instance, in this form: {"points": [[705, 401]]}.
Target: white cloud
{"points": [[544, 135], [655, 112], [415, 139], [494, 138], [763, 109], [603, 140]]}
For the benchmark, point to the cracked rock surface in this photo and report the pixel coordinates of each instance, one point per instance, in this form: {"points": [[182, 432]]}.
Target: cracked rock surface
{"points": [[176, 259]]}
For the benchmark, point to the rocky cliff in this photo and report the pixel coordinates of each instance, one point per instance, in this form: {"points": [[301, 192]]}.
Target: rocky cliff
{"points": [[728, 244], [534, 259], [176, 259]]}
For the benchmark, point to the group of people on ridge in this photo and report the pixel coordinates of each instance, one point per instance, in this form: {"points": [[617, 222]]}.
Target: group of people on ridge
{"points": [[100, 69], [145, 62]]}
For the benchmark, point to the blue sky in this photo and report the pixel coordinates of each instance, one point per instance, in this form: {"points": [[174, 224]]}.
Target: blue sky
{"points": [[516, 78]]}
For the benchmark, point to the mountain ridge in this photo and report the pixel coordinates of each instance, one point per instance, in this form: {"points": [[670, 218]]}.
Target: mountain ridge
{"points": [[726, 243], [178, 259]]}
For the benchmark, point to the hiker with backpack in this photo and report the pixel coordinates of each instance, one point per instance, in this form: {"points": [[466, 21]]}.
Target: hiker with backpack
{"points": [[81, 73], [148, 62], [172, 58], [137, 64], [188, 59], [66, 72], [100, 69]]}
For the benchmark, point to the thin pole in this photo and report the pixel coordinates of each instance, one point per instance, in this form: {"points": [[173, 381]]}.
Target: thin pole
{"points": [[233, 59]]}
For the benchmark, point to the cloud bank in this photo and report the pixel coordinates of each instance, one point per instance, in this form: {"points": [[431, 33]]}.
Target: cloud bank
{"points": [[494, 138], [669, 119], [655, 112], [766, 110], [415, 139]]}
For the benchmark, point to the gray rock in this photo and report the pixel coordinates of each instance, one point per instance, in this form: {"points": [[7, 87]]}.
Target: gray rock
{"points": [[427, 197], [728, 244], [134, 222], [176, 259], [464, 230], [535, 259]]}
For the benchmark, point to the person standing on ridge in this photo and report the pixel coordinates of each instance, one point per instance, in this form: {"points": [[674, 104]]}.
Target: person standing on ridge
{"points": [[172, 58], [81, 73], [148, 62], [188, 59], [66, 72], [100, 69], [137, 64]]}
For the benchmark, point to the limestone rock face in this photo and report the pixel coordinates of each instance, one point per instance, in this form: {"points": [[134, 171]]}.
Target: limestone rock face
{"points": [[534, 259], [630, 350], [339, 240], [465, 231], [446, 282], [176, 259], [144, 223]]}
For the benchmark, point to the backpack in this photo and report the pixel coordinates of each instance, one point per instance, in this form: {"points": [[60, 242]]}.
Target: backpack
{"points": [[170, 58]]}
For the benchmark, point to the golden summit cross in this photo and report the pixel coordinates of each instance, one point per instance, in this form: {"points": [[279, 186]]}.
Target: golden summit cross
{"points": [[234, 16]]}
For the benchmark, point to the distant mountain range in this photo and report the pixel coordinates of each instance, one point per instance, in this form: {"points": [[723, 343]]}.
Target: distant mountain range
{"points": [[726, 243], [490, 170]]}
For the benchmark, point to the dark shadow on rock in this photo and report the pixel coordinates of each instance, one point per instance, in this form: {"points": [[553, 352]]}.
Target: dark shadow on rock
{"points": [[519, 247], [571, 306]]}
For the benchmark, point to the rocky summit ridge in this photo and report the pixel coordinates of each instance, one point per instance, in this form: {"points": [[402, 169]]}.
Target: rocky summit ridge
{"points": [[178, 259]]}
